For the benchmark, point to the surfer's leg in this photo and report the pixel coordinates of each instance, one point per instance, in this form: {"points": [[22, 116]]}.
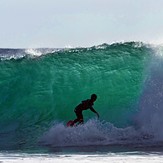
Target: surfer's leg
{"points": [[81, 121], [78, 119]]}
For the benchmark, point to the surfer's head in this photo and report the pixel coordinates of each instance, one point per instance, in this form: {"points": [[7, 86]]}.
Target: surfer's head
{"points": [[93, 97]]}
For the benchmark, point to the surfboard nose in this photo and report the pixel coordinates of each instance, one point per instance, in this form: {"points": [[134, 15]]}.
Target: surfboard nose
{"points": [[69, 123]]}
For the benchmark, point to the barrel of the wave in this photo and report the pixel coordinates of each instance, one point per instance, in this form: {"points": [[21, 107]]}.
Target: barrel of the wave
{"points": [[37, 91]]}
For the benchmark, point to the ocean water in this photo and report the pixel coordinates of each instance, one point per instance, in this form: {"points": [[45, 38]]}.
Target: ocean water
{"points": [[39, 89]]}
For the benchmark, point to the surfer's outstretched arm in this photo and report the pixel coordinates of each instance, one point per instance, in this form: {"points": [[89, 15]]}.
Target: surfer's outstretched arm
{"points": [[93, 110]]}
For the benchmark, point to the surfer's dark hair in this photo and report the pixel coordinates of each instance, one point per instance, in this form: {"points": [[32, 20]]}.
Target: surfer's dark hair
{"points": [[94, 96]]}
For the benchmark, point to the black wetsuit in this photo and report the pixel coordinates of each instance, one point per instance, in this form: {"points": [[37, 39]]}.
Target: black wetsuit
{"points": [[84, 105]]}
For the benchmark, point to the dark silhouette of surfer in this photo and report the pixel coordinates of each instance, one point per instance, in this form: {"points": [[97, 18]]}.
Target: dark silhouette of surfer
{"points": [[84, 105]]}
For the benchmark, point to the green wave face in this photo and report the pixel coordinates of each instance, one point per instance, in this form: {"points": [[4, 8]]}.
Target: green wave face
{"points": [[36, 91]]}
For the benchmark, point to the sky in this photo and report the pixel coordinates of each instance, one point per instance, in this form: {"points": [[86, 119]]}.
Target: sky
{"points": [[74, 23]]}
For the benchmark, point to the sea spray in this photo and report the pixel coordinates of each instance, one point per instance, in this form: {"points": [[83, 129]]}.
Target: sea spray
{"points": [[150, 117], [93, 132]]}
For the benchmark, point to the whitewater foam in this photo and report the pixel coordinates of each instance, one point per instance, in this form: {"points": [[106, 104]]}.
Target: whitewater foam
{"points": [[94, 132], [127, 157]]}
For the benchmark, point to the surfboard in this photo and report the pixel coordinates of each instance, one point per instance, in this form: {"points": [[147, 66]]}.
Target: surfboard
{"points": [[68, 124]]}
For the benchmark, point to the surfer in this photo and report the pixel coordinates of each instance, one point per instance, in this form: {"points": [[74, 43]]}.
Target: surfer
{"points": [[84, 105]]}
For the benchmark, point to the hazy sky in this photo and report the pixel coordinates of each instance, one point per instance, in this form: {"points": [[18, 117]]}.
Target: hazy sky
{"points": [[60, 23]]}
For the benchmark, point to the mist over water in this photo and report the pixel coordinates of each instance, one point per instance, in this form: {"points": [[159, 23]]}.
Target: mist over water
{"points": [[151, 101], [40, 89]]}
